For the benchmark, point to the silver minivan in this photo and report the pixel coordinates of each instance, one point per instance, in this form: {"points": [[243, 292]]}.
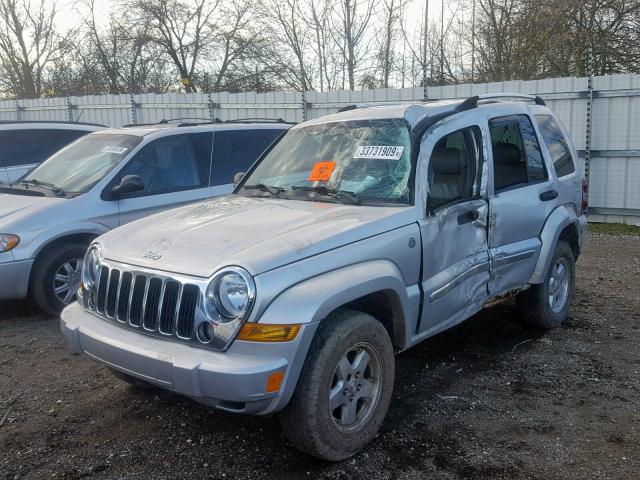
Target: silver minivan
{"points": [[24, 145], [107, 179]]}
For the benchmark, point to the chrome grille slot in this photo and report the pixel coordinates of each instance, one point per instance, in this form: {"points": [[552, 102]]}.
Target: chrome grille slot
{"points": [[112, 292], [188, 302], [124, 296], [169, 306], [147, 302], [152, 304], [137, 297]]}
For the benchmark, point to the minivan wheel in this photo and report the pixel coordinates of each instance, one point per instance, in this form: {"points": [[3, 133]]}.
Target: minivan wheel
{"points": [[345, 387], [546, 305], [55, 277]]}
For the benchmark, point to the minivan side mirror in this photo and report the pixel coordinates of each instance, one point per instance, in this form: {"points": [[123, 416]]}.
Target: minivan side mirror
{"points": [[237, 177], [128, 184]]}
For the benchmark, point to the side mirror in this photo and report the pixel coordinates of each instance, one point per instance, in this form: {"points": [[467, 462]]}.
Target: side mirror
{"points": [[237, 177], [128, 184]]}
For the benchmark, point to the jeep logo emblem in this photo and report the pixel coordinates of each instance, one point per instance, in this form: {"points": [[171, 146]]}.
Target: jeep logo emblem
{"points": [[151, 255]]}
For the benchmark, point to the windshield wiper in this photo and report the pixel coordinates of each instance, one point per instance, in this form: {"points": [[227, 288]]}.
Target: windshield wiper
{"points": [[39, 183], [275, 191], [351, 197]]}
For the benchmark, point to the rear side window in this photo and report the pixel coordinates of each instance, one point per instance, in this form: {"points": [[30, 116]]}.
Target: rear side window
{"points": [[454, 168], [517, 159], [557, 145], [26, 147], [235, 151]]}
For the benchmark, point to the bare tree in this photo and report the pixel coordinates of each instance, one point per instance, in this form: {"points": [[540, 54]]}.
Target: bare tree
{"points": [[392, 12], [28, 44]]}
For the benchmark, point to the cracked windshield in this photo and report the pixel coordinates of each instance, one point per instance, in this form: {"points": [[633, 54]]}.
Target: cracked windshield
{"points": [[359, 162]]}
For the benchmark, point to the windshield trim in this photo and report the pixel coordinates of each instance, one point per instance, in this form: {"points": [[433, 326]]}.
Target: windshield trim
{"points": [[365, 201]]}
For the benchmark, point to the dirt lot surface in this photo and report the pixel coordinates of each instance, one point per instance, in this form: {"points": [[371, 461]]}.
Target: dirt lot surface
{"points": [[489, 399]]}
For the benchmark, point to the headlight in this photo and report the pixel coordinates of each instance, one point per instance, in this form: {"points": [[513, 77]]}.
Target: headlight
{"points": [[230, 294], [8, 242], [91, 269]]}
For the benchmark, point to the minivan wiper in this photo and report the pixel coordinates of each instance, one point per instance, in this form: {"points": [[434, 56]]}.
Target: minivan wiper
{"points": [[39, 183], [275, 191], [351, 197]]}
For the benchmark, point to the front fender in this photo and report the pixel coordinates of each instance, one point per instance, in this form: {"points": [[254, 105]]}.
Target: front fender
{"points": [[559, 219]]}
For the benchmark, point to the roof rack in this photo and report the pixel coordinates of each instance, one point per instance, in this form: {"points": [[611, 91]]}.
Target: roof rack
{"points": [[57, 122], [203, 121], [501, 96]]}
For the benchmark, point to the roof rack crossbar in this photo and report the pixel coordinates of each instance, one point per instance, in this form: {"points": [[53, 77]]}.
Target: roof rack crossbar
{"points": [[496, 96]]}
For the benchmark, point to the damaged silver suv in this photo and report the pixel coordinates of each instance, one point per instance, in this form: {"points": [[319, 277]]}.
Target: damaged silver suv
{"points": [[355, 237]]}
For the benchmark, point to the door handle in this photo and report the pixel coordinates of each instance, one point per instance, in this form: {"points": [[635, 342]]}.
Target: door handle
{"points": [[468, 217], [549, 195]]}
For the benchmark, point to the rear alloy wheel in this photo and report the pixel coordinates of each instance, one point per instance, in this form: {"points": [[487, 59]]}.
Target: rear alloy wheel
{"points": [[55, 277], [345, 387]]}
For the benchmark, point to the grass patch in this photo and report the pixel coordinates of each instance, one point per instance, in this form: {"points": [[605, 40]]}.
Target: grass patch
{"points": [[616, 229]]}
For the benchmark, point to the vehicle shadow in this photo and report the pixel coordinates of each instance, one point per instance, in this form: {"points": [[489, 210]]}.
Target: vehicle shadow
{"points": [[13, 309]]}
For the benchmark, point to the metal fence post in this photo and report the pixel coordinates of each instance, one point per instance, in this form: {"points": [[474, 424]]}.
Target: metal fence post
{"points": [[69, 110], [305, 106], [18, 112], [212, 108], [134, 111], [589, 120]]}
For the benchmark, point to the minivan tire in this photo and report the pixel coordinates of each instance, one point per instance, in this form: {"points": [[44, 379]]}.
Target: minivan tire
{"points": [[342, 339], [535, 305], [44, 271]]}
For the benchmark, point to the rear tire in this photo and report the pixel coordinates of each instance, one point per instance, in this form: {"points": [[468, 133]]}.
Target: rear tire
{"points": [[345, 387], [546, 305], [55, 277]]}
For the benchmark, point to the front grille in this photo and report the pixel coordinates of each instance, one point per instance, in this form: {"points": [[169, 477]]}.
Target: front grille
{"points": [[147, 302]]}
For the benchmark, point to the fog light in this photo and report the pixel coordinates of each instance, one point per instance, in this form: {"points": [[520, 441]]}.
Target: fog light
{"points": [[263, 332], [274, 381], [205, 332]]}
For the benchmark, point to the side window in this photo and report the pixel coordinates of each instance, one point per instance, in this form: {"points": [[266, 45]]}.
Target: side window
{"points": [[170, 164], [26, 147], [557, 145], [236, 150], [517, 159], [454, 168]]}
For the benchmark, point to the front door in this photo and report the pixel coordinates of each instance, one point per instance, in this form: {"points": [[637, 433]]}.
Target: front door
{"points": [[174, 171], [523, 198], [454, 234]]}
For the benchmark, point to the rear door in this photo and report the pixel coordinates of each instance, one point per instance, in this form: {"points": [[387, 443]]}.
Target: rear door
{"points": [[174, 171], [523, 198], [454, 236], [235, 151]]}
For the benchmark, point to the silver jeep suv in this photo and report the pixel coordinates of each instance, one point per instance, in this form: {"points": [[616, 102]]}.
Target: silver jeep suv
{"points": [[355, 237]]}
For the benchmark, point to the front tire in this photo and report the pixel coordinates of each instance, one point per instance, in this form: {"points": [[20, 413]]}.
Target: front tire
{"points": [[546, 305], [55, 277], [345, 387]]}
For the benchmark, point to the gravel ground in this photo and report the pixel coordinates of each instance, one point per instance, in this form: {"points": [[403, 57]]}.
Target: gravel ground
{"points": [[489, 399]]}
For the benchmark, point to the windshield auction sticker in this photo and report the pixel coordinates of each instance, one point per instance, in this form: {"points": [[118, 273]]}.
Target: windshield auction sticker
{"points": [[322, 171], [113, 149], [379, 152]]}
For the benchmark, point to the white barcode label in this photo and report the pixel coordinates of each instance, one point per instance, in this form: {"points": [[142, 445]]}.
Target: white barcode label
{"points": [[380, 152]]}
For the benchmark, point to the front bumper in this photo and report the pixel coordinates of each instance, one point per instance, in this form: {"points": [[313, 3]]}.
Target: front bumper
{"points": [[14, 279], [234, 380]]}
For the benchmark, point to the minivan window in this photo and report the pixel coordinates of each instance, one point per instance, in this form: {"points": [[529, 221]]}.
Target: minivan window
{"points": [[236, 150], [517, 158], [557, 145], [33, 146], [79, 166], [368, 158], [170, 164]]}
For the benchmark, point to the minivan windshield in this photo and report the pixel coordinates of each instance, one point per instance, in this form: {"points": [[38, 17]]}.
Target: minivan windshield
{"points": [[360, 161], [79, 166]]}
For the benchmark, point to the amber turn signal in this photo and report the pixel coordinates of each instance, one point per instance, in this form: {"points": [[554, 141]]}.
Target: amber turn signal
{"points": [[263, 332], [274, 381]]}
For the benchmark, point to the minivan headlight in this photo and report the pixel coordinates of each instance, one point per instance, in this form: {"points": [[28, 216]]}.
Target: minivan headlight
{"points": [[91, 269], [230, 294], [8, 242]]}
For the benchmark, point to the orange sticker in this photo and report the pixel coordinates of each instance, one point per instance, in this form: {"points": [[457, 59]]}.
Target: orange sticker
{"points": [[322, 171]]}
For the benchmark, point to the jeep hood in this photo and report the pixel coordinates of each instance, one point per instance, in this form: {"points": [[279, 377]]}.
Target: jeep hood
{"points": [[256, 233]]}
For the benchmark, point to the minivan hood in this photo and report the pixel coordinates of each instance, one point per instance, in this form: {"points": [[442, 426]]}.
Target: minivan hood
{"points": [[17, 207], [259, 234]]}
